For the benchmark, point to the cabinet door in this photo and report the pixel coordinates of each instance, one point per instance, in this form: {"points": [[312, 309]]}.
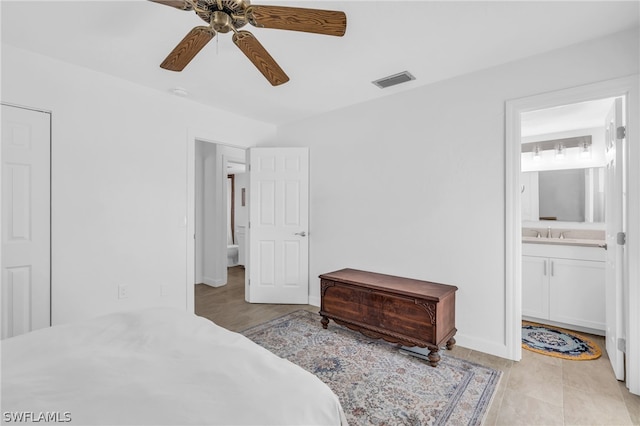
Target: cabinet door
{"points": [[535, 287], [577, 293]]}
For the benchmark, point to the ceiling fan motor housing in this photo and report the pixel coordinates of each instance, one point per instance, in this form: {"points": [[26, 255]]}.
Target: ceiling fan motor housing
{"points": [[211, 11]]}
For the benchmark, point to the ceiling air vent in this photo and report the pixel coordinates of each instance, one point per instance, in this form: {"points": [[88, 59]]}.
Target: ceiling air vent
{"points": [[392, 80]]}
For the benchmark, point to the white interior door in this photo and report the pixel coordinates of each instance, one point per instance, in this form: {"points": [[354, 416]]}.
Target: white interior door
{"points": [[26, 289], [278, 260], [614, 224]]}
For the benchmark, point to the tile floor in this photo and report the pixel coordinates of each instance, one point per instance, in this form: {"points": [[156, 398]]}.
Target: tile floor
{"points": [[538, 390]]}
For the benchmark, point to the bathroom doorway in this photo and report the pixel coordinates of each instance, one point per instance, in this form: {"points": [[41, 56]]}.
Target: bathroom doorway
{"points": [[237, 213], [628, 332], [566, 163], [220, 214]]}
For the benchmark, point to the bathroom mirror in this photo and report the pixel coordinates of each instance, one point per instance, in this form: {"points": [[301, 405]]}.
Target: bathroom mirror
{"points": [[569, 195]]}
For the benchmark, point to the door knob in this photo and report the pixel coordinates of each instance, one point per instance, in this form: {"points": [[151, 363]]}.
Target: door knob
{"points": [[302, 234]]}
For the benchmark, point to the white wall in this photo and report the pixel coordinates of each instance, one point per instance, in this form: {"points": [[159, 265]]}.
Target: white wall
{"points": [[210, 226], [414, 184], [119, 181]]}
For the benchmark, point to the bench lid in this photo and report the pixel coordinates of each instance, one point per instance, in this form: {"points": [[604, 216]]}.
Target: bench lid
{"points": [[401, 285]]}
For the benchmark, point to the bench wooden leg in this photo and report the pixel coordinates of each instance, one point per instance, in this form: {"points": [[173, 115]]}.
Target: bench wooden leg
{"points": [[325, 322], [451, 343]]}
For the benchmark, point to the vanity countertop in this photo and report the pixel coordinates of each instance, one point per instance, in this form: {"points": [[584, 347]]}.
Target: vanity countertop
{"points": [[571, 237], [566, 241]]}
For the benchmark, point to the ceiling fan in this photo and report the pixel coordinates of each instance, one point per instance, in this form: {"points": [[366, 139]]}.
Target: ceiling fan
{"points": [[223, 16]]}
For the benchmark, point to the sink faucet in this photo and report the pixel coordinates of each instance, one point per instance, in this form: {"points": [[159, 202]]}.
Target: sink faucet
{"points": [[549, 232]]}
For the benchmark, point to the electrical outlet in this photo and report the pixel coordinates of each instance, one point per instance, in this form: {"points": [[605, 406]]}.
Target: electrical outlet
{"points": [[164, 290], [123, 291]]}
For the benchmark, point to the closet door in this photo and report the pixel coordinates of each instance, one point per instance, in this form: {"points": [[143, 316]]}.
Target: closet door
{"points": [[26, 229]]}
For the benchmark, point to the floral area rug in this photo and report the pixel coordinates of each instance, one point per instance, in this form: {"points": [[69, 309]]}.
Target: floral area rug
{"points": [[558, 342], [375, 382]]}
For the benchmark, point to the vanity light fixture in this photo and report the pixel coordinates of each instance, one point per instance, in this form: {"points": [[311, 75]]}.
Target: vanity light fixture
{"points": [[558, 145], [585, 150], [536, 153]]}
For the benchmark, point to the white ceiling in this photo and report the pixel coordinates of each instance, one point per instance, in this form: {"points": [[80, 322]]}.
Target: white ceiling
{"points": [[434, 40], [582, 115]]}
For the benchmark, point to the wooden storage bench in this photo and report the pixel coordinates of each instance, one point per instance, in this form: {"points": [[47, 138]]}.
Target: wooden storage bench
{"points": [[400, 310]]}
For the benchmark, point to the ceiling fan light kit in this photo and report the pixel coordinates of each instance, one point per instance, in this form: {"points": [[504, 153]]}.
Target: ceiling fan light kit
{"points": [[223, 16]]}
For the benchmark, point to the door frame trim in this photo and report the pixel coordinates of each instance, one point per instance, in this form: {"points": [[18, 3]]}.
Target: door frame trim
{"points": [[627, 87]]}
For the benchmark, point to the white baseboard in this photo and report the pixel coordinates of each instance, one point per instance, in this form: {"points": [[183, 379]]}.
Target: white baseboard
{"points": [[314, 301], [481, 345], [213, 282]]}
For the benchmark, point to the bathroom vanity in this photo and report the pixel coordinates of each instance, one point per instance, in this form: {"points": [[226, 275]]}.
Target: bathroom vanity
{"points": [[400, 310], [563, 281]]}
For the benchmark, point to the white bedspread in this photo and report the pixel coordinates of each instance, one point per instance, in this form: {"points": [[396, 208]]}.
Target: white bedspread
{"points": [[157, 367]]}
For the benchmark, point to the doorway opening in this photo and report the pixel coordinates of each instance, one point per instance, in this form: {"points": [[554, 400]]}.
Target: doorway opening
{"points": [[220, 212], [277, 246], [237, 213], [625, 331], [565, 167]]}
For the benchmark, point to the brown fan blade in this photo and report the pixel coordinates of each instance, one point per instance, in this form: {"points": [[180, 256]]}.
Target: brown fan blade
{"points": [[328, 22], [188, 48], [257, 54], [178, 4]]}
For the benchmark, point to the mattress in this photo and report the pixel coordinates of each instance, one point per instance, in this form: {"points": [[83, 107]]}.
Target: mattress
{"points": [[156, 366]]}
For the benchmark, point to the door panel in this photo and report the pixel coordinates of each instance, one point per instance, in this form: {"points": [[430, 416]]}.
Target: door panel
{"points": [[614, 224], [535, 287], [278, 225], [16, 291], [576, 291], [26, 290]]}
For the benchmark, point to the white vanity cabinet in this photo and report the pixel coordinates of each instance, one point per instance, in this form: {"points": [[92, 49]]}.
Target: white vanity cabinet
{"points": [[535, 287], [564, 284]]}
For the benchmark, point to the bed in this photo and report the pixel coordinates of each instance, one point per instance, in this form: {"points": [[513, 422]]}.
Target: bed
{"points": [[156, 366]]}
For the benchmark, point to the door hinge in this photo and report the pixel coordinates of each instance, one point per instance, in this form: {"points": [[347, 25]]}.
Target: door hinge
{"points": [[622, 345], [621, 238], [621, 132]]}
